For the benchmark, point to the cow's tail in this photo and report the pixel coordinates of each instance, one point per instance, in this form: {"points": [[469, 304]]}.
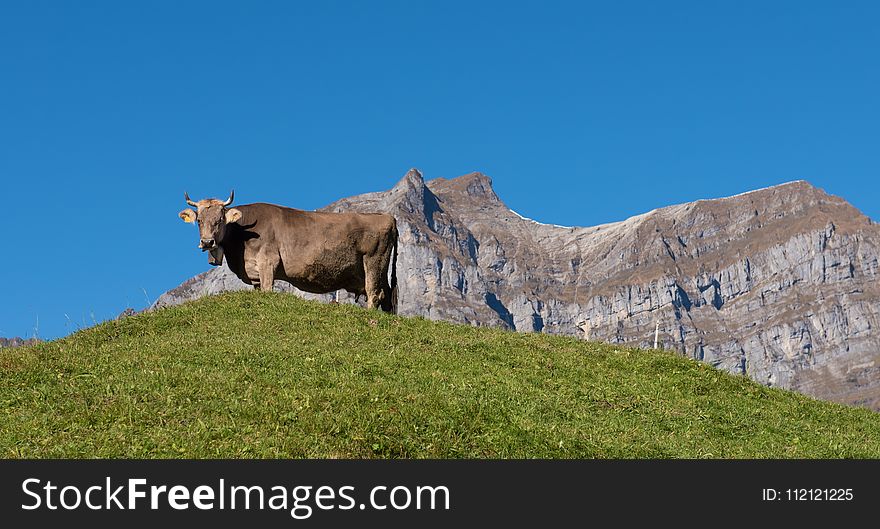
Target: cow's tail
{"points": [[394, 234]]}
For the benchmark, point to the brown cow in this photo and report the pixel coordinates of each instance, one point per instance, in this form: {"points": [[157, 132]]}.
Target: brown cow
{"points": [[314, 251]]}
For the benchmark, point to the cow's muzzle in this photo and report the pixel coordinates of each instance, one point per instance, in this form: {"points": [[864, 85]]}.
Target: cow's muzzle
{"points": [[207, 244]]}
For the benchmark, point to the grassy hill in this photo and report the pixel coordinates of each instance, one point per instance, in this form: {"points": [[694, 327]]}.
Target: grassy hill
{"points": [[250, 374]]}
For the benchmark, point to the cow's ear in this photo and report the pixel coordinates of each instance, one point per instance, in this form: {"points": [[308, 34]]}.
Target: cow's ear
{"points": [[187, 215], [232, 215]]}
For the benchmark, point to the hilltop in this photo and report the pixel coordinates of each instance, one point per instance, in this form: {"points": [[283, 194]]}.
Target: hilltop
{"points": [[780, 284], [251, 374]]}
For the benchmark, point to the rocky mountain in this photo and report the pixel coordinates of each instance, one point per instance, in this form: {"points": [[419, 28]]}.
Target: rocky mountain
{"points": [[779, 284], [17, 342]]}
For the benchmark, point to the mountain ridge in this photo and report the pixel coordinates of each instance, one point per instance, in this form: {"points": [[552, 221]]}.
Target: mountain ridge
{"points": [[17, 341]]}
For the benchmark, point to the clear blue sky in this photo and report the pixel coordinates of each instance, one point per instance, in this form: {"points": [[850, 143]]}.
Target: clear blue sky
{"points": [[581, 112]]}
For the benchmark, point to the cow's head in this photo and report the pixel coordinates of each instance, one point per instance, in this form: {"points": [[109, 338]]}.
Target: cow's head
{"points": [[212, 216]]}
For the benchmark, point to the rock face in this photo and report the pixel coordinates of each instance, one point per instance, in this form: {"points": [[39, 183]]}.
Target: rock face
{"points": [[779, 284]]}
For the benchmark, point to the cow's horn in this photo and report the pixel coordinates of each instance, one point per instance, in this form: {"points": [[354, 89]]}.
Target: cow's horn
{"points": [[231, 196], [188, 201]]}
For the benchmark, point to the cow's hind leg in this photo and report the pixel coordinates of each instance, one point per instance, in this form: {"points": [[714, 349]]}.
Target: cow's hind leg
{"points": [[386, 305], [376, 285], [374, 293]]}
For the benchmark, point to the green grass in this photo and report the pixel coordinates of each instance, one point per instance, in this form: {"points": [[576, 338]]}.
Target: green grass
{"points": [[251, 374]]}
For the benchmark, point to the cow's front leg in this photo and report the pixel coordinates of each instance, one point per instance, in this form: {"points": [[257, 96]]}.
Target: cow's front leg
{"points": [[267, 276], [266, 281]]}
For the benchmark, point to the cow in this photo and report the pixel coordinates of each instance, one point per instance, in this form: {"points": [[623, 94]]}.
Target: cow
{"points": [[316, 252]]}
